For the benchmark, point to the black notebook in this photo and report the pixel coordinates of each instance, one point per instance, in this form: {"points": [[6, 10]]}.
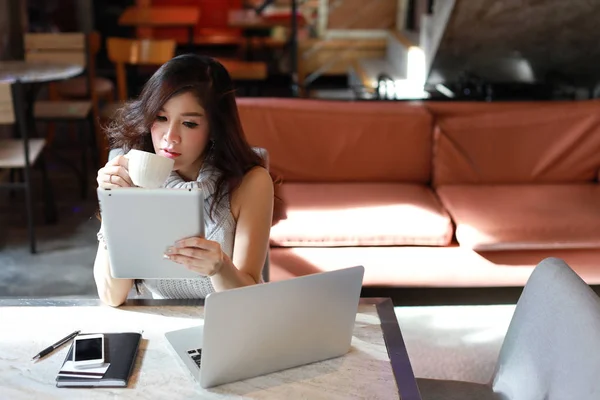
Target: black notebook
{"points": [[120, 351]]}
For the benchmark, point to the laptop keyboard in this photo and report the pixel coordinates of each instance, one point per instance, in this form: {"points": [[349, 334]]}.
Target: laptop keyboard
{"points": [[196, 355]]}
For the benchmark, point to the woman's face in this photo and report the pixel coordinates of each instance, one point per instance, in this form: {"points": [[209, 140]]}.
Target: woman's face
{"points": [[180, 131]]}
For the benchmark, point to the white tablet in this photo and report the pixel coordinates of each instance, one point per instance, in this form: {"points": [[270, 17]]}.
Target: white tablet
{"points": [[140, 224]]}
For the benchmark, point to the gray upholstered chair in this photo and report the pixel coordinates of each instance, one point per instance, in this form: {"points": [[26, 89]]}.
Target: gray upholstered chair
{"points": [[550, 349], [265, 156]]}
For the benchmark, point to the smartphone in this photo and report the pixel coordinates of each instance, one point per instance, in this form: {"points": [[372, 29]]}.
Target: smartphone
{"points": [[88, 351]]}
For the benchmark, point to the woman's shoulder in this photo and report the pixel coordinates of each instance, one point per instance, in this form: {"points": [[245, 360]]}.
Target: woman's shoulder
{"points": [[257, 178], [256, 186]]}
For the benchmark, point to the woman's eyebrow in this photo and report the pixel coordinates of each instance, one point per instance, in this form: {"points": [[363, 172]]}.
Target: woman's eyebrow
{"points": [[191, 114]]}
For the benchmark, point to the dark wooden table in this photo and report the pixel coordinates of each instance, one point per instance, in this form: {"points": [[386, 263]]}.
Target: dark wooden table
{"points": [[162, 17]]}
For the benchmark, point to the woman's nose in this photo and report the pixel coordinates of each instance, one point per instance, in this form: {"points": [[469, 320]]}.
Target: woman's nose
{"points": [[172, 135]]}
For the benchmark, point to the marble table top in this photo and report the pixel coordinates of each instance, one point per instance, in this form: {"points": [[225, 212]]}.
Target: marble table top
{"points": [[367, 371], [37, 71]]}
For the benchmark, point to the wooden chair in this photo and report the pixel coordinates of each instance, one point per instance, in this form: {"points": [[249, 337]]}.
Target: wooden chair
{"points": [[69, 48], [124, 52], [78, 88], [21, 154]]}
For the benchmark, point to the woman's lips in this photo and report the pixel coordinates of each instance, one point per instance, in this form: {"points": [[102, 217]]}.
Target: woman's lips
{"points": [[169, 154]]}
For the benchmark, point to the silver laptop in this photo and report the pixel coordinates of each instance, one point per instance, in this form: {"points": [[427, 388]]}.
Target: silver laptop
{"points": [[259, 329], [139, 224]]}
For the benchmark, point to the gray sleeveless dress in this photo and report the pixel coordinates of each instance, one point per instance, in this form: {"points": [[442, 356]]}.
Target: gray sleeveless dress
{"points": [[220, 228]]}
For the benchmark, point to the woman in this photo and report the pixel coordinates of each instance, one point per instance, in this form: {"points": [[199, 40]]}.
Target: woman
{"points": [[187, 111]]}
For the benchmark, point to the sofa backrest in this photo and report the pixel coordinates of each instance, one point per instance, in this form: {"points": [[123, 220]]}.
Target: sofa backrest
{"points": [[340, 141], [445, 109], [539, 142]]}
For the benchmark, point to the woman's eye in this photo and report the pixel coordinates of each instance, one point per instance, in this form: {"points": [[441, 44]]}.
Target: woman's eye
{"points": [[190, 124], [161, 118]]}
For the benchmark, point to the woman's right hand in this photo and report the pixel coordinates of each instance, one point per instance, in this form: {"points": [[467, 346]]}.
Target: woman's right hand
{"points": [[114, 174]]}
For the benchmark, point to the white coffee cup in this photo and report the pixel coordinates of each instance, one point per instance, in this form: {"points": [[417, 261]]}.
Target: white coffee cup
{"points": [[148, 170]]}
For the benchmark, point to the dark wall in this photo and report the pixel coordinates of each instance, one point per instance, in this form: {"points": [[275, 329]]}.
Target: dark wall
{"points": [[61, 15], [107, 14], [106, 17], [501, 40], [13, 23]]}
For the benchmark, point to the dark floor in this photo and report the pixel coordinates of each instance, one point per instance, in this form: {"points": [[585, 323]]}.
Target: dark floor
{"points": [[66, 250]]}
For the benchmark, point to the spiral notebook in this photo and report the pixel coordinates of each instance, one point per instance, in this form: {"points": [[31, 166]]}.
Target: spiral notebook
{"points": [[120, 354]]}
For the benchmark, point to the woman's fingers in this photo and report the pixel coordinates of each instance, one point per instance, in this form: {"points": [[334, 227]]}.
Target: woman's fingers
{"points": [[115, 174], [119, 160], [109, 181], [192, 252], [116, 180], [195, 264], [198, 242], [118, 171], [204, 261]]}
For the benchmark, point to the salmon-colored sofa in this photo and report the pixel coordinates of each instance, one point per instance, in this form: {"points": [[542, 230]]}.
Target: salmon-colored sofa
{"points": [[431, 194]]}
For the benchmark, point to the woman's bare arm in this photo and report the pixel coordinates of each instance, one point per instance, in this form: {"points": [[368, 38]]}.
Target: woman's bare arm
{"points": [[252, 206], [110, 290]]}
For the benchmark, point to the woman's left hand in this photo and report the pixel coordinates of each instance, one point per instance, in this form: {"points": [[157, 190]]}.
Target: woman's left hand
{"points": [[197, 254]]}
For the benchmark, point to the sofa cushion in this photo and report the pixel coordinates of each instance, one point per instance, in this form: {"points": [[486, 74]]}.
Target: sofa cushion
{"points": [[429, 267], [496, 217], [361, 214], [553, 144], [339, 141]]}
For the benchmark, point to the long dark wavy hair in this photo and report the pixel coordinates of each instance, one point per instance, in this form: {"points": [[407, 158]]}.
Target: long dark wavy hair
{"points": [[209, 81]]}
